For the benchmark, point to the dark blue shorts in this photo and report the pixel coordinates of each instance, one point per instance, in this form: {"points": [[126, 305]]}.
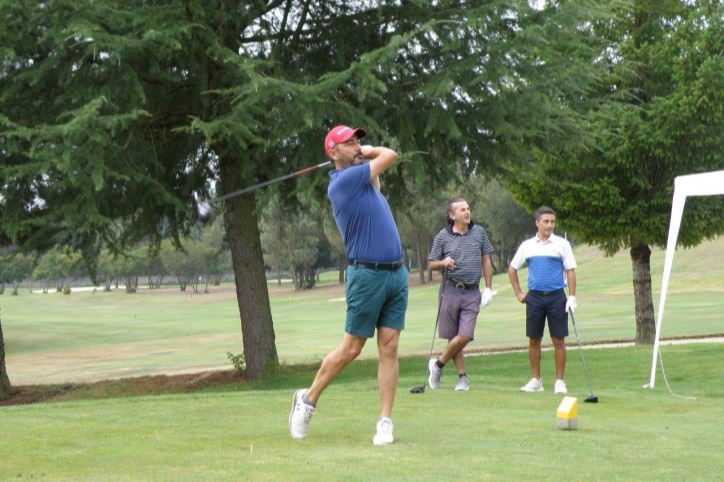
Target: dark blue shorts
{"points": [[375, 299], [542, 305]]}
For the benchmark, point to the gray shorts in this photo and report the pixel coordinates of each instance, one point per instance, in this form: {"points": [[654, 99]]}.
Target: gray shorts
{"points": [[458, 311]]}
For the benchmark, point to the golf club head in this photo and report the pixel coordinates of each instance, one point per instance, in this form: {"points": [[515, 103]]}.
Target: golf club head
{"points": [[418, 389], [204, 212], [591, 399]]}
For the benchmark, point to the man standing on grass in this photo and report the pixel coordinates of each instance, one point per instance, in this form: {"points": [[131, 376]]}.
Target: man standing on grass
{"points": [[548, 257], [376, 288], [462, 250]]}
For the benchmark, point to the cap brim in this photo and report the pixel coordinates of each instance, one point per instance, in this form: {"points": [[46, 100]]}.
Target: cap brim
{"points": [[358, 132]]}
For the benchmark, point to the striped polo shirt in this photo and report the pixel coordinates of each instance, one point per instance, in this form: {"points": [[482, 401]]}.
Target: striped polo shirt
{"points": [[466, 249], [547, 260]]}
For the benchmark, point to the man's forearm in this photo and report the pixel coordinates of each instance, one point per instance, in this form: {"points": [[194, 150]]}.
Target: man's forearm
{"points": [[514, 282], [571, 278], [435, 265], [488, 271]]}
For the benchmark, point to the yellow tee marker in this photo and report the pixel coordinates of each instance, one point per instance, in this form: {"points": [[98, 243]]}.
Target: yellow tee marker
{"points": [[567, 413]]}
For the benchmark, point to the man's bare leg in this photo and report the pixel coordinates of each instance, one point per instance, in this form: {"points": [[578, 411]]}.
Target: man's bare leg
{"points": [[388, 368], [349, 348], [559, 347], [534, 356]]}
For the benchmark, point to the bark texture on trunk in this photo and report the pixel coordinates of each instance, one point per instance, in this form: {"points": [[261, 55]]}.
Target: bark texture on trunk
{"points": [[421, 258], [5, 387], [641, 264], [257, 327], [342, 268]]}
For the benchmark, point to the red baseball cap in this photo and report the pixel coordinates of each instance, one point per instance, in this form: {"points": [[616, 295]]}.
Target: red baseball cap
{"points": [[340, 134]]}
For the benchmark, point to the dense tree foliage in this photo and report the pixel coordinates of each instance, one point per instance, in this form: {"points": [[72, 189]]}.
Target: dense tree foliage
{"points": [[667, 120], [507, 222], [116, 116]]}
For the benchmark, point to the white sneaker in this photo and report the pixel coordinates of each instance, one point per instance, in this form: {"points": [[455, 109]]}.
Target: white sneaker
{"points": [[463, 384], [560, 387], [384, 432], [534, 385], [435, 374], [300, 416]]}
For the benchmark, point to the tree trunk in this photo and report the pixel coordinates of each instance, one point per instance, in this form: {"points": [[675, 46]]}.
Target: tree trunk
{"points": [[295, 277], [342, 268], [5, 387], [181, 282], [641, 263], [429, 271], [257, 327], [421, 261]]}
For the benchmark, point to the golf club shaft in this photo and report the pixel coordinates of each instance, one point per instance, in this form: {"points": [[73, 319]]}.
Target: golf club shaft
{"points": [[580, 350], [434, 331], [260, 185], [421, 388]]}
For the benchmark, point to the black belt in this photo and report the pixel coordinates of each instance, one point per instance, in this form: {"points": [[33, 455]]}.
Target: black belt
{"points": [[545, 293], [376, 266], [464, 286]]}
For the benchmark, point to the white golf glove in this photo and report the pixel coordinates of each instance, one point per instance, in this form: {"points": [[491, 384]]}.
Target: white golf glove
{"points": [[571, 304], [486, 297]]}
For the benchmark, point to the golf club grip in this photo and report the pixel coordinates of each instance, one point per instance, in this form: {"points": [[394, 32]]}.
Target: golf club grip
{"points": [[309, 169]]}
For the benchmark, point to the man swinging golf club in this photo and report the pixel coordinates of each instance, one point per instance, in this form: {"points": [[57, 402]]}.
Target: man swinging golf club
{"points": [[462, 250], [376, 288], [548, 257]]}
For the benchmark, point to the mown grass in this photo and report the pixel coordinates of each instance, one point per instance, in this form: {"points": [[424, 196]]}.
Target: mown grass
{"points": [[239, 431], [492, 432], [88, 337]]}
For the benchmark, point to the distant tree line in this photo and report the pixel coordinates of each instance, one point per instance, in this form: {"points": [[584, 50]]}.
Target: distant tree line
{"points": [[299, 242], [200, 258], [295, 242]]}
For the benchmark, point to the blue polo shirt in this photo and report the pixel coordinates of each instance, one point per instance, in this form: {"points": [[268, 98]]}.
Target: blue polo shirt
{"points": [[547, 260], [363, 216]]}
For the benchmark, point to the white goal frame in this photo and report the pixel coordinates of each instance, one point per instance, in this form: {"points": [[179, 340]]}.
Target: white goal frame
{"points": [[704, 184]]}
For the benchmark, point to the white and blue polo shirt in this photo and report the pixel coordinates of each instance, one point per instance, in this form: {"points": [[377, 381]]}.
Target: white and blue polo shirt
{"points": [[547, 262]]}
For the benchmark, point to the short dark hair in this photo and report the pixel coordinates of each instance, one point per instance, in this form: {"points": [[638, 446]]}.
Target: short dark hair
{"points": [[543, 210], [450, 207]]}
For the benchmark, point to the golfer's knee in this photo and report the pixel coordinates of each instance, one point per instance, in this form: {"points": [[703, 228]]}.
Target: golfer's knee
{"points": [[351, 352], [388, 349], [558, 343]]}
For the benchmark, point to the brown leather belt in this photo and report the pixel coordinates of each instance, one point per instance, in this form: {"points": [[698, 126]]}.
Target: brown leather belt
{"points": [[464, 286]]}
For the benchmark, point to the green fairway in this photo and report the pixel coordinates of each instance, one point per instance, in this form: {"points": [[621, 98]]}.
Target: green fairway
{"points": [[89, 336], [492, 432]]}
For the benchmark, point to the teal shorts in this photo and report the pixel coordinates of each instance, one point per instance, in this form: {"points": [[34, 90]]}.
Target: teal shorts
{"points": [[375, 298]]}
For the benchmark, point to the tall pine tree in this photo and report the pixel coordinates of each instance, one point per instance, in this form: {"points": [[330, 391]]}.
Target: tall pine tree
{"points": [[667, 119], [116, 116]]}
